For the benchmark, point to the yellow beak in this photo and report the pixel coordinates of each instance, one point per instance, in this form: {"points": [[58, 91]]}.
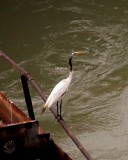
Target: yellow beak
{"points": [[78, 53]]}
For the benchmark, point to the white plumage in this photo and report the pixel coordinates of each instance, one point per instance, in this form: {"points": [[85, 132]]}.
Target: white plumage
{"points": [[60, 89]]}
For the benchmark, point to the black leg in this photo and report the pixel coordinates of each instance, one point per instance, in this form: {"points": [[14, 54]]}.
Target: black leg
{"points": [[59, 107]]}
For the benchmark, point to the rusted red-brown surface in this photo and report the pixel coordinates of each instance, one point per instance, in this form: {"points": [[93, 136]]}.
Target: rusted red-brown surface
{"points": [[9, 113]]}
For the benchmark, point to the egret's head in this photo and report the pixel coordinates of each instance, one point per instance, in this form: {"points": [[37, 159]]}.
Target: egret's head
{"points": [[70, 58], [76, 53]]}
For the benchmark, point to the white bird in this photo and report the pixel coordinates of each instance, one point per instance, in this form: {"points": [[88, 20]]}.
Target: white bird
{"points": [[60, 89]]}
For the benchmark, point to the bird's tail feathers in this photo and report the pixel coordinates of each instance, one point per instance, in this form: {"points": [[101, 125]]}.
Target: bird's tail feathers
{"points": [[44, 108]]}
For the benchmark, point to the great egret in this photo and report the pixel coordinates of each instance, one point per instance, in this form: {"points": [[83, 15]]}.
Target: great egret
{"points": [[60, 89]]}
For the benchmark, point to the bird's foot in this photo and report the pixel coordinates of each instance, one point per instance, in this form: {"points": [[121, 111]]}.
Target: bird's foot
{"points": [[58, 117]]}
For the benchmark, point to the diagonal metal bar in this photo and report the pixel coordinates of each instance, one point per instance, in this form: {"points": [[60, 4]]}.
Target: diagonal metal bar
{"points": [[38, 89]]}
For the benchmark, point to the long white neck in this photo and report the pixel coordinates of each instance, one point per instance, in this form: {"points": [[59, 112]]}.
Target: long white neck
{"points": [[70, 76]]}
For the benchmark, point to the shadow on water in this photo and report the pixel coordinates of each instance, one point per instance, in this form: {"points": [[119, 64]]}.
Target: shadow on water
{"points": [[39, 35]]}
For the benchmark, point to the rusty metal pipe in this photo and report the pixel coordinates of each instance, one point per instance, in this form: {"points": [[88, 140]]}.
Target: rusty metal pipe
{"points": [[38, 89]]}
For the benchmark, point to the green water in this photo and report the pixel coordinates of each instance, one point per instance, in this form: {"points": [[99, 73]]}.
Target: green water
{"points": [[39, 35]]}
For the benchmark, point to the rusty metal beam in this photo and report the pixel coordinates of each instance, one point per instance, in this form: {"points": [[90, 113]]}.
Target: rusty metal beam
{"points": [[38, 89]]}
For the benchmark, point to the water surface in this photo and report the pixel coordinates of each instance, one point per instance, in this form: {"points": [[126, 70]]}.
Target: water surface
{"points": [[40, 35]]}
